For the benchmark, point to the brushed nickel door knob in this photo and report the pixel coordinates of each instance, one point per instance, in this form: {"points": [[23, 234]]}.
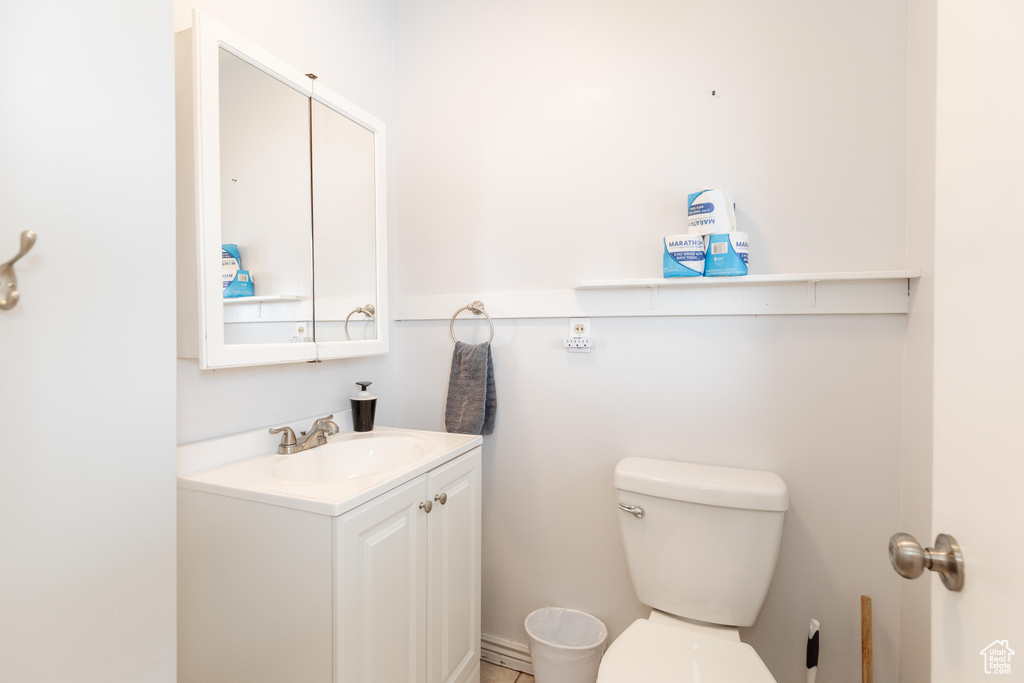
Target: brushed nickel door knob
{"points": [[427, 506], [910, 560]]}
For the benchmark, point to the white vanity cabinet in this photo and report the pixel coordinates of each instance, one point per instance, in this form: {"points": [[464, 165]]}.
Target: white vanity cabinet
{"points": [[408, 582], [385, 592]]}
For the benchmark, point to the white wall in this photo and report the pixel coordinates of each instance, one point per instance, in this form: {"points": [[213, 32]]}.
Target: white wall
{"points": [[915, 609], [87, 497], [545, 143], [350, 46], [815, 399]]}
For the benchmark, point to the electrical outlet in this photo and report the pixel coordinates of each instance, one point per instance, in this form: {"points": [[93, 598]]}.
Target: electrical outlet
{"points": [[579, 340], [579, 327], [300, 334]]}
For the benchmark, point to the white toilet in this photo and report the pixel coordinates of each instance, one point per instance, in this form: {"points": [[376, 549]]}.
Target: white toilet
{"points": [[701, 543]]}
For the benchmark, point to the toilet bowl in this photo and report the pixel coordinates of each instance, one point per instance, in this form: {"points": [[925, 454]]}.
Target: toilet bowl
{"points": [[701, 543], [655, 652]]}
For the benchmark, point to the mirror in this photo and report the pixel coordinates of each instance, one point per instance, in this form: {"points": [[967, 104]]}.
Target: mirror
{"points": [[265, 208], [344, 226]]}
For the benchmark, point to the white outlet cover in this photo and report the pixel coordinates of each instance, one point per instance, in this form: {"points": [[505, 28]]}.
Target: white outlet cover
{"points": [[578, 342], [585, 322]]}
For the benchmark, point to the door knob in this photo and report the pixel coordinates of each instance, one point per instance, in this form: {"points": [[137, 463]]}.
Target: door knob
{"points": [[910, 560], [441, 498], [427, 506]]}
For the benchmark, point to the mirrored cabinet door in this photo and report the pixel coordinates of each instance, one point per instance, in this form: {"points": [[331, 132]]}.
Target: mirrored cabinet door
{"points": [[344, 230], [265, 208]]}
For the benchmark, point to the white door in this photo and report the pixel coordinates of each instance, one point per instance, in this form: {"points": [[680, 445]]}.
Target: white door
{"points": [[381, 593], [979, 339], [453, 572], [87, 404]]}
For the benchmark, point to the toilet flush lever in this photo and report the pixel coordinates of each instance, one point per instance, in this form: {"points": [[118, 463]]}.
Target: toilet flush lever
{"points": [[910, 560], [634, 510]]}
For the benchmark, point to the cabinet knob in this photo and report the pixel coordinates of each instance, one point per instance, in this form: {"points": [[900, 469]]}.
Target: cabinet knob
{"points": [[427, 506], [441, 498]]}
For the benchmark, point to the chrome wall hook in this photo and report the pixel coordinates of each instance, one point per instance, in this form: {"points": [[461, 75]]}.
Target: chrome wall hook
{"points": [[8, 279]]}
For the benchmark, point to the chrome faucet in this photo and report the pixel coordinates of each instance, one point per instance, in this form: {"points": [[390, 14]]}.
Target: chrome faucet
{"points": [[317, 436]]}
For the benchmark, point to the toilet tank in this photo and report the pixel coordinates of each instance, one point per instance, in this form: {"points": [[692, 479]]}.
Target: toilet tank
{"points": [[706, 545]]}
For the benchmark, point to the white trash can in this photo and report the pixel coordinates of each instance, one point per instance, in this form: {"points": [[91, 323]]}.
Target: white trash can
{"points": [[566, 645]]}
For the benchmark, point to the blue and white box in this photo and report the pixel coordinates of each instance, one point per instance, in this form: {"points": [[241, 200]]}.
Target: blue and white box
{"points": [[684, 256], [240, 286], [232, 281], [230, 262], [727, 254], [710, 211]]}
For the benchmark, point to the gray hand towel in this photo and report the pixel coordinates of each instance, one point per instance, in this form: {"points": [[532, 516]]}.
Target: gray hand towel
{"points": [[472, 400]]}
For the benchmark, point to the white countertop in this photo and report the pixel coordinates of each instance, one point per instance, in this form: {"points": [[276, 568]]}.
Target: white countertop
{"points": [[242, 466]]}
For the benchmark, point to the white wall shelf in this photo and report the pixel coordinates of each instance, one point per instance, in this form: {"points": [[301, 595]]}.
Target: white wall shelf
{"points": [[854, 276], [849, 293], [268, 308], [263, 299]]}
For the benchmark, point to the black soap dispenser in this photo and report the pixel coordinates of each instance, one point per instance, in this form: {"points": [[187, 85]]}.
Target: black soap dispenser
{"points": [[364, 408]]}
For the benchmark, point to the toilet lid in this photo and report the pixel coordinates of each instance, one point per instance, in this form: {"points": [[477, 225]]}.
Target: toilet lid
{"points": [[663, 653]]}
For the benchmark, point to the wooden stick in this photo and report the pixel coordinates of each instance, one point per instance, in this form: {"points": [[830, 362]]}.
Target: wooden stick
{"points": [[866, 664]]}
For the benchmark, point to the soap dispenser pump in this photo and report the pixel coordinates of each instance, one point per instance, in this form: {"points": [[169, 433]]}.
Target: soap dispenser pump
{"points": [[364, 408]]}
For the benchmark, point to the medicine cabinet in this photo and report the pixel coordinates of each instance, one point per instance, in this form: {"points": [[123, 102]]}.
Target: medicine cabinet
{"points": [[294, 175]]}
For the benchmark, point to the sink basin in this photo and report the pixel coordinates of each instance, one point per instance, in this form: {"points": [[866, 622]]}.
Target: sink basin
{"points": [[351, 457], [349, 470]]}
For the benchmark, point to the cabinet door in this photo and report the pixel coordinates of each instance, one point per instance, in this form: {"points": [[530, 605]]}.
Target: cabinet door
{"points": [[380, 598], [454, 571], [349, 228], [244, 180]]}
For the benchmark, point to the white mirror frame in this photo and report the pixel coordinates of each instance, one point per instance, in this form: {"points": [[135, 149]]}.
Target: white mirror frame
{"points": [[208, 36]]}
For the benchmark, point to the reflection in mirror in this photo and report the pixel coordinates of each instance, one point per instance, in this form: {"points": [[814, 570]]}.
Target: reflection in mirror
{"points": [[265, 207], [344, 226]]}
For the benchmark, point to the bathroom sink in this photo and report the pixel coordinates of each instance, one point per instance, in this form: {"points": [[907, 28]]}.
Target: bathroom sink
{"points": [[351, 456], [352, 468]]}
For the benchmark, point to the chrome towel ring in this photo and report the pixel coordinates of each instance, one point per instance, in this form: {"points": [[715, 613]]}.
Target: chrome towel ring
{"points": [[476, 308], [367, 310]]}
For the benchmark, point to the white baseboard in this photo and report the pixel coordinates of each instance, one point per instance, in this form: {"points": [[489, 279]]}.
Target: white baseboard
{"points": [[505, 653]]}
